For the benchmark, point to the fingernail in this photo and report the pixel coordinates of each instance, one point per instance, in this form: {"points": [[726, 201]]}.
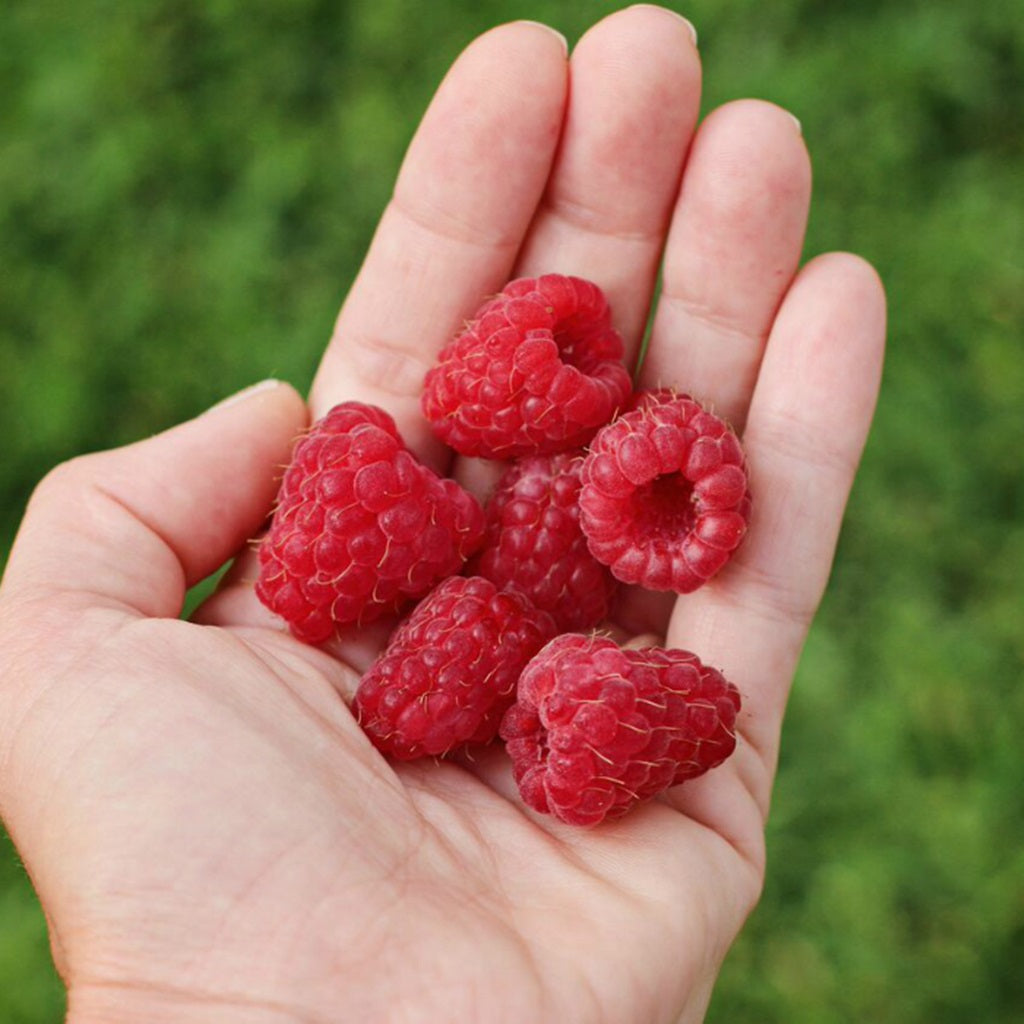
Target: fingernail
{"points": [[796, 121], [691, 28], [554, 31], [240, 396]]}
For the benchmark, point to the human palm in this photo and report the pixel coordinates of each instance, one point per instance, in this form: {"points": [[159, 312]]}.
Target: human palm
{"points": [[210, 833]]}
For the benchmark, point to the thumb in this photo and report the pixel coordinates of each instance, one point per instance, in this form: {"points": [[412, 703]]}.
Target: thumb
{"points": [[136, 526]]}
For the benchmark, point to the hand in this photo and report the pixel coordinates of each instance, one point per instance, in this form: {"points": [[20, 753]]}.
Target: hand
{"points": [[210, 834]]}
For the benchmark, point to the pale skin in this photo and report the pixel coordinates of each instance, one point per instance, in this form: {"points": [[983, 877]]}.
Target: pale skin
{"points": [[211, 836]]}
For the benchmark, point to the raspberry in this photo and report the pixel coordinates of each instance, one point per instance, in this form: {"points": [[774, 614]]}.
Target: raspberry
{"points": [[534, 542], [665, 499], [360, 527], [449, 671], [596, 729], [539, 369]]}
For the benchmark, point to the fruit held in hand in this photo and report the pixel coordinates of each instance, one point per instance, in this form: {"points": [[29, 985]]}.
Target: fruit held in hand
{"points": [[538, 369], [665, 500], [450, 669], [660, 498], [597, 729], [360, 526], [533, 541]]}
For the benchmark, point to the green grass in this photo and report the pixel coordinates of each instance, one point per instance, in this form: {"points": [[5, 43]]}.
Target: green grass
{"points": [[186, 191]]}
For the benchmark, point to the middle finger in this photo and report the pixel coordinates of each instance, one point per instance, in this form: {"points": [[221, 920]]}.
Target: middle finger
{"points": [[633, 103]]}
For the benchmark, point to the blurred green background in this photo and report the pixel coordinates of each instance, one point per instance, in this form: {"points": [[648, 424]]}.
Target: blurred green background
{"points": [[186, 190]]}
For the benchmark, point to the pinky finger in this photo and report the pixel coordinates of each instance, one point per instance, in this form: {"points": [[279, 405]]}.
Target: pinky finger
{"points": [[809, 418]]}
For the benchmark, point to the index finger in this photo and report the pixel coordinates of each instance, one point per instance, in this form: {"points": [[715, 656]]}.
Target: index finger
{"points": [[466, 193]]}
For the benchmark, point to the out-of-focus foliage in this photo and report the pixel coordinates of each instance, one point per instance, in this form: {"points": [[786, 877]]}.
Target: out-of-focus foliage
{"points": [[186, 190]]}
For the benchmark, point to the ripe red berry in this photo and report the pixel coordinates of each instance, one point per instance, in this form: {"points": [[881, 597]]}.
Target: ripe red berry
{"points": [[534, 543], [538, 369], [360, 526], [665, 499], [450, 669], [597, 729]]}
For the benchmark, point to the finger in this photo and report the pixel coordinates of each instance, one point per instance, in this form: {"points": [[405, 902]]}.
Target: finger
{"points": [[733, 248], [462, 203], [634, 101], [808, 422], [466, 192], [135, 527]]}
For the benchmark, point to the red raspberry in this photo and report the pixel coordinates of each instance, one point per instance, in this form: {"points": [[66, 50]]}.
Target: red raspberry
{"points": [[360, 527], [534, 542], [449, 671], [539, 369], [665, 499], [596, 729]]}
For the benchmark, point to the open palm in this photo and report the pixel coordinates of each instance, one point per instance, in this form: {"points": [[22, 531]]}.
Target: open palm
{"points": [[210, 834]]}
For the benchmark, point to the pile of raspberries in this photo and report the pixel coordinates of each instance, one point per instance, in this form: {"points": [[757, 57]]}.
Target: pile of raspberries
{"points": [[602, 487]]}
